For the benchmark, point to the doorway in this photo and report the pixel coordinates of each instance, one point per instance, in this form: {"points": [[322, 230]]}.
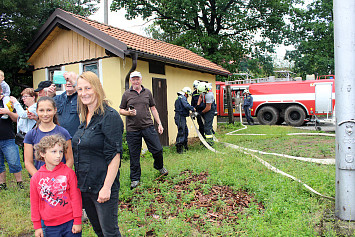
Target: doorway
{"points": [[160, 97]]}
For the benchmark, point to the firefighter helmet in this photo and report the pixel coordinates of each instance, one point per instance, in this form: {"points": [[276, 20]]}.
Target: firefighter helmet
{"points": [[202, 87], [246, 91], [187, 90], [195, 85], [209, 86]]}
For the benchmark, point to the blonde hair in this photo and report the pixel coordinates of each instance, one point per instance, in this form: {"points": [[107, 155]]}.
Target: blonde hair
{"points": [[31, 92], [49, 142], [94, 81]]}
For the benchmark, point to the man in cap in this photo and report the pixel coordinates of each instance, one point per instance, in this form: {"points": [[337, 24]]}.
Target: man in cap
{"points": [[182, 109], [43, 88], [137, 105], [247, 105]]}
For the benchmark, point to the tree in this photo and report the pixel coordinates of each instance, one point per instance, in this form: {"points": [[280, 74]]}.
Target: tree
{"points": [[19, 22], [222, 31], [311, 32]]}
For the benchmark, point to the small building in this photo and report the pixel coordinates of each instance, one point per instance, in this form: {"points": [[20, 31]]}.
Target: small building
{"points": [[74, 43]]}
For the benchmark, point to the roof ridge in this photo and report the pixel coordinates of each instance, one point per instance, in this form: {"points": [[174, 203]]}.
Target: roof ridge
{"points": [[115, 27]]}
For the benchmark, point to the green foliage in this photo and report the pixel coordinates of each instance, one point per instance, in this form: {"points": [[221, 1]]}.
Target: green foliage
{"points": [[222, 31], [19, 22], [312, 33]]}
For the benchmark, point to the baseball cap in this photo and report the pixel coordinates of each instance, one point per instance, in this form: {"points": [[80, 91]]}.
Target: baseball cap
{"points": [[42, 85], [135, 74]]}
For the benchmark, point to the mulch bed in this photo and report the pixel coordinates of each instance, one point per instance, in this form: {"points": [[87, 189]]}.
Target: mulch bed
{"points": [[220, 203]]}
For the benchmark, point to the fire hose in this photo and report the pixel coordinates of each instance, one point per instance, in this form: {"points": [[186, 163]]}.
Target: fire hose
{"points": [[266, 164]]}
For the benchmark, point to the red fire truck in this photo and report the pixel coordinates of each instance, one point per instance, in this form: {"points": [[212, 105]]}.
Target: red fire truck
{"points": [[275, 102]]}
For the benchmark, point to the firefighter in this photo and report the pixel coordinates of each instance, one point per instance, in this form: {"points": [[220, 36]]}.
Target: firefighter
{"points": [[207, 102], [194, 100], [247, 105], [182, 109]]}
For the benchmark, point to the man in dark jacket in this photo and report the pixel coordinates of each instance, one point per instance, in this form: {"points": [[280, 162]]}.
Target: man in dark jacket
{"points": [[194, 100], [182, 110], [247, 105]]}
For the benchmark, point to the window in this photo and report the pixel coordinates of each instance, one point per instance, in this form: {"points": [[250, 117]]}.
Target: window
{"points": [[156, 67], [92, 67], [50, 77]]}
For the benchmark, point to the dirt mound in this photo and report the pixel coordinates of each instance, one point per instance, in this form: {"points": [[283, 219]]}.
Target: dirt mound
{"points": [[219, 203]]}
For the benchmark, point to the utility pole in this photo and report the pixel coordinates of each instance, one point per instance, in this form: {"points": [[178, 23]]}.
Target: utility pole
{"points": [[106, 12], [344, 46]]}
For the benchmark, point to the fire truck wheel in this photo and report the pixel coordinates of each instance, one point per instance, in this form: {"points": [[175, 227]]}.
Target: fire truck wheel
{"points": [[268, 115], [294, 116]]}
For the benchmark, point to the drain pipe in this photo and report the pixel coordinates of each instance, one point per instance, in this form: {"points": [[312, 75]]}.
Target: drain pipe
{"points": [[344, 46], [134, 57]]}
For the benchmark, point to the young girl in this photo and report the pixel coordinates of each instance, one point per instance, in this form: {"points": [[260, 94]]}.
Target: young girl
{"points": [[55, 197], [47, 125]]}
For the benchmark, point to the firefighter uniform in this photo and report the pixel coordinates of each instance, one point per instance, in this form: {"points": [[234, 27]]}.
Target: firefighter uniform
{"points": [[247, 105], [182, 108], [208, 98], [194, 100]]}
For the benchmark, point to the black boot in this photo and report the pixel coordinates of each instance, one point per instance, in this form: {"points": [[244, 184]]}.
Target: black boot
{"points": [[179, 148], [185, 146]]}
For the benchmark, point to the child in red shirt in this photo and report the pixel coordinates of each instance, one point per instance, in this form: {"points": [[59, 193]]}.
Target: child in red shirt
{"points": [[55, 197]]}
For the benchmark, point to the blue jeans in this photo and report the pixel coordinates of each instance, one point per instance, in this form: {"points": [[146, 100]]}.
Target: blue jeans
{"points": [[63, 230], [103, 216], [10, 151], [134, 141]]}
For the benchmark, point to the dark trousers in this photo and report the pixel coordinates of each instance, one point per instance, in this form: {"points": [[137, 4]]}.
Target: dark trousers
{"points": [[208, 117], [247, 113], [201, 126], [63, 230], [183, 131], [103, 216], [134, 141]]}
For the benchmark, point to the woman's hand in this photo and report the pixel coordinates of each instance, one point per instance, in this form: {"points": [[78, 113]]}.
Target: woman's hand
{"points": [[104, 195]]}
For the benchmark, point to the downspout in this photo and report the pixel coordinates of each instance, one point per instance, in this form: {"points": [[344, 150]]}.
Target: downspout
{"points": [[134, 57]]}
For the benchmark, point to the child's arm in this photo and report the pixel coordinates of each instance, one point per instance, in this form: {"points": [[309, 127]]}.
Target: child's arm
{"points": [[35, 199], [76, 229], [75, 197], [69, 155], [28, 154]]}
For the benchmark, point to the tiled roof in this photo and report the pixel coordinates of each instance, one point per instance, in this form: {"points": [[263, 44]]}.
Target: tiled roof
{"points": [[171, 52]]}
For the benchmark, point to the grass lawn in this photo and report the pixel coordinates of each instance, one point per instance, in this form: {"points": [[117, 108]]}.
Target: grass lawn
{"points": [[215, 194]]}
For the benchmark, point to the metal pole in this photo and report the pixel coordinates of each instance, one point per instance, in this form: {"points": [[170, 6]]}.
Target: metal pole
{"points": [[344, 43], [106, 12]]}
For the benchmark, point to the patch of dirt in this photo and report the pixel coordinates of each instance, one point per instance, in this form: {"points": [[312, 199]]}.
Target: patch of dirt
{"points": [[330, 222], [220, 203]]}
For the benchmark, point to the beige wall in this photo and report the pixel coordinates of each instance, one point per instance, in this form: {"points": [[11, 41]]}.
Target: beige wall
{"points": [[38, 76], [112, 80]]}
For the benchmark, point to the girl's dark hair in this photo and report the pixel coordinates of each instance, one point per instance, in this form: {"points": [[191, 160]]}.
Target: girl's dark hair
{"points": [[50, 99]]}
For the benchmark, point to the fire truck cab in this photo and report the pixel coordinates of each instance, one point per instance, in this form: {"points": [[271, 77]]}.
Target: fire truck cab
{"points": [[275, 102]]}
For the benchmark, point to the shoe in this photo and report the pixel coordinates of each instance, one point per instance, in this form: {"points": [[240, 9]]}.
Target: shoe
{"points": [[3, 186], [179, 148], [20, 185], [163, 171], [185, 146], [134, 184]]}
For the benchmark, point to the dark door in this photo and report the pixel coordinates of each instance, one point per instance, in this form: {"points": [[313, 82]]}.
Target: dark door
{"points": [[160, 97]]}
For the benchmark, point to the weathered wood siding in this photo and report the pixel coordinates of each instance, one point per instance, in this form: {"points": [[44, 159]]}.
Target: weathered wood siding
{"points": [[64, 47]]}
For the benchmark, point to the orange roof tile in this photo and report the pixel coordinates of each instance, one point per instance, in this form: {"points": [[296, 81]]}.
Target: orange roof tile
{"points": [[155, 47]]}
